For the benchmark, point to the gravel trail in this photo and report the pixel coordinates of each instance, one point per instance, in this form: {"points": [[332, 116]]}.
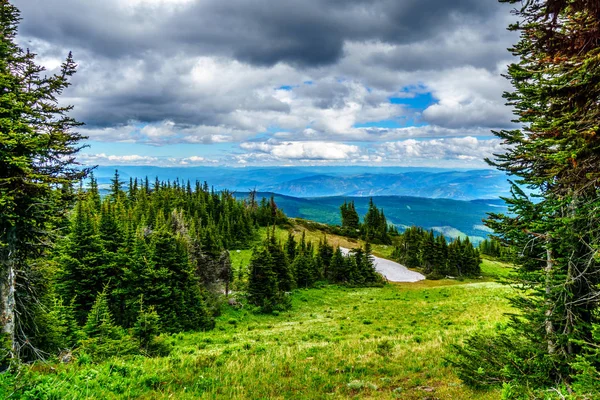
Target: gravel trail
{"points": [[393, 271]]}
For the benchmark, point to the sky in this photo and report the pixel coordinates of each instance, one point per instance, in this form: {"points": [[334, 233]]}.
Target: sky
{"points": [[280, 82]]}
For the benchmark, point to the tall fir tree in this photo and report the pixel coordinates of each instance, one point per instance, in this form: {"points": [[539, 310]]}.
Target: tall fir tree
{"points": [[262, 282], [556, 154], [37, 155]]}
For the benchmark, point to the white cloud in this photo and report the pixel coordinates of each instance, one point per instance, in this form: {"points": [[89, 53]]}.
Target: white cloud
{"points": [[325, 151], [135, 159], [468, 149], [451, 152]]}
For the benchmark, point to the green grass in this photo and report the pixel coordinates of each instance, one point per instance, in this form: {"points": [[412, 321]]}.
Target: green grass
{"points": [[335, 343], [495, 269]]}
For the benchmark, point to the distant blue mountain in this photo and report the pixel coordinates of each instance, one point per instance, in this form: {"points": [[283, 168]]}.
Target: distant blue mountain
{"points": [[453, 218], [459, 185], [332, 181]]}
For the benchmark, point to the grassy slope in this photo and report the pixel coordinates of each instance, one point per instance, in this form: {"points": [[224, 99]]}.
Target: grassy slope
{"points": [[334, 343]]}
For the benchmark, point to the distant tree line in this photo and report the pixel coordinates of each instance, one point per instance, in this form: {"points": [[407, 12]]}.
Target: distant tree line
{"points": [[493, 248], [374, 229], [419, 248], [277, 268]]}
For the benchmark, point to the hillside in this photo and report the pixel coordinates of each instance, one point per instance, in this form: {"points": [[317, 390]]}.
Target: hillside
{"points": [[335, 343], [453, 218]]}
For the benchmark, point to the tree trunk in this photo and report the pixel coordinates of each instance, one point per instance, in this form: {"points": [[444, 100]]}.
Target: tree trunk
{"points": [[7, 293], [548, 322]]}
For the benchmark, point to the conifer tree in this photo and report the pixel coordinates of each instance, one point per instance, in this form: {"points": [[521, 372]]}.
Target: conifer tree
{"points": [[325, 253], [338, 267], [350, 219], [83, 274], [263, 290], [99, 323], [556, 154], [304, 270], [281, 264], [37, 150], [290, 247]]}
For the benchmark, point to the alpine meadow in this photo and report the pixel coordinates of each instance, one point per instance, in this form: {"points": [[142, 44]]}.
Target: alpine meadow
{"points": [[290, 199]]}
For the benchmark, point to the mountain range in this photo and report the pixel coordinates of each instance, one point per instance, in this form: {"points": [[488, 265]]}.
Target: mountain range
{"points": [[311, 182], [453, 218]]}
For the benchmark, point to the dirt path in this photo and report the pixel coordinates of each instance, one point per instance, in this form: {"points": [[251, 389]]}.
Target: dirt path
{"points": [[393, 271]]}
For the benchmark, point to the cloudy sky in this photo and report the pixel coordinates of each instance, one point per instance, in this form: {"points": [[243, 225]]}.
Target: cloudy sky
{"points": [[280, 82]]}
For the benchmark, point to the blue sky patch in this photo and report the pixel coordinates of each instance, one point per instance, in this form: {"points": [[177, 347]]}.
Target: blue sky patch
{"points": [[419, 102]]}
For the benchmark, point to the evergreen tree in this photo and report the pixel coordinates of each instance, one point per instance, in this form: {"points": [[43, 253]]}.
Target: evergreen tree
{"points": [[375, 227], [281, 264], [173, 289], [263, 290], [37, 150], [290, 247], [99, 323], [350, 219], [147, 327], [428, 251], [325, 253], [83, 273], [304, 270], [556, 155], [369, 273], [338, 267]]}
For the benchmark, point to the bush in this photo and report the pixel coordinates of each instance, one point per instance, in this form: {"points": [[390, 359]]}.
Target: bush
{"points": [[494, 359], [147, 327]]}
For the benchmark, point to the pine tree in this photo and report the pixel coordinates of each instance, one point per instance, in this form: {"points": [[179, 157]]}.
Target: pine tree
{"points": [[83, 261], [304, 270], [369, 273], [290, 247], [428, 251], [338, 267], [37, 150], [99, 323], [325, 253], [350, 219], [281, 264], [262, 283], [147, 326], [557, 156]]}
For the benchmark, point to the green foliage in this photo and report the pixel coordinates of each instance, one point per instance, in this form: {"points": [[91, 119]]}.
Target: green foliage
{"points": [[419, 248], [37, 169], [146, 330], [552, 235], [268, 214], [375, 227], [263, 289], [350, 219], [492, 359], [586, 366], [102, 337], [494, 248], [147, 326]]}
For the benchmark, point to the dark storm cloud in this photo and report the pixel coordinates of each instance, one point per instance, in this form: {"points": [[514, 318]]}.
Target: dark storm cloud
{"points": [[206, 71], [261, 32]]}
